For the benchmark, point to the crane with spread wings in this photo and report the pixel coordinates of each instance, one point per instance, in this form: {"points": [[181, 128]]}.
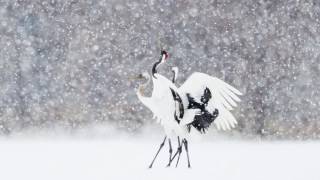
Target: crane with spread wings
{"points": [[199, 102]]}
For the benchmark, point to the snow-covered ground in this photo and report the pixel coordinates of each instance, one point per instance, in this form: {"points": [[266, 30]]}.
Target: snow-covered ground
{"points": [[129, 158]]}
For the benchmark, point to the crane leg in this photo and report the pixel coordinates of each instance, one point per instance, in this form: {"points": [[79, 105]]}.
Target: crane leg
{"points": [[179, 150], [185, 142], [170, 151], [161, 145]]}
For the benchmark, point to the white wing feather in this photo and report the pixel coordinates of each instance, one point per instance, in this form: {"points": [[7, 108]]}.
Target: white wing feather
{"points": [[224, 97]]}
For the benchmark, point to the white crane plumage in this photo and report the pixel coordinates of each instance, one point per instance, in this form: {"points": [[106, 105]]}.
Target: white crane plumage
{"points": [[223, 97], [197, 103]]}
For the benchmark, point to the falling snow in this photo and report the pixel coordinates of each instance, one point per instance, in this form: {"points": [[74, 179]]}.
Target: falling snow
{"points": [[68, 63]]}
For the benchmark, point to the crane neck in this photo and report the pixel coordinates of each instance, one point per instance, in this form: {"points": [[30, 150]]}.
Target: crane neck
{"points": [[174, 77], [156, 64], [147, 101], [154, 68], [175, 74], [143, 86]]}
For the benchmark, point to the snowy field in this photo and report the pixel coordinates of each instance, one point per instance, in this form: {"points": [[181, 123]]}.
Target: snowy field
{"points": [[129, 158]]}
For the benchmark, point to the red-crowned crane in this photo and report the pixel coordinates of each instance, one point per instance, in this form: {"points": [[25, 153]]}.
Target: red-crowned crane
{"points": [[195, 105]]}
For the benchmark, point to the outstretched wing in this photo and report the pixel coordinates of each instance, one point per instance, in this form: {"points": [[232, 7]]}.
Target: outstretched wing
{"points": [[223, 97]]}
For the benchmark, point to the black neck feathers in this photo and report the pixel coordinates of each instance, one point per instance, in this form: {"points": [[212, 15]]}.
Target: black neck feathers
{"points": [[174, 77], [154, 68]]}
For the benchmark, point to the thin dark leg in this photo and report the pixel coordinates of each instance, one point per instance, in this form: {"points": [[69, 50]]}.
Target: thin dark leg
{"points": [[185, 142], [161, 145], [179, 150], [174, 156], [170, 151]]}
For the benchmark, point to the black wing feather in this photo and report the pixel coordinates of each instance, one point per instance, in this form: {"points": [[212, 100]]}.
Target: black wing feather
{"points": [[202, 121], [206, 96], [177, 98]]}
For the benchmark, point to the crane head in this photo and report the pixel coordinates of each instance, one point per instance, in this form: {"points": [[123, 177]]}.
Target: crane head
{"points": [[142, 76], [175, 70], [164, 56]]}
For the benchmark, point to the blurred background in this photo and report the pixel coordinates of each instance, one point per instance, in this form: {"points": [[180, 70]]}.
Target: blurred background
{"points": [[66, 64]]}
